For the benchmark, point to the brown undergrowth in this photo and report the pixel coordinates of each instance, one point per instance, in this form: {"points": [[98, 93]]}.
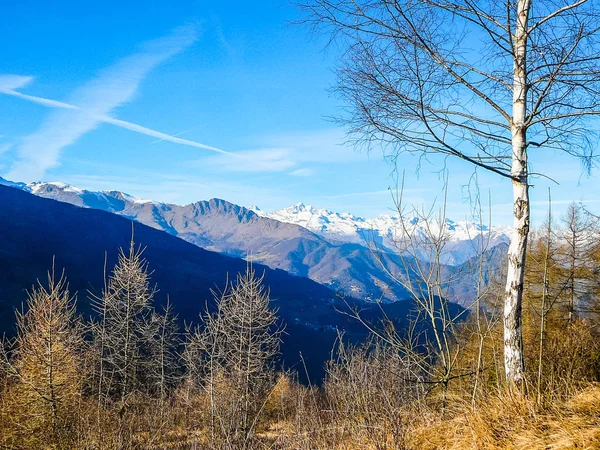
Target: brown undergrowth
{"points": [[509, 422]]}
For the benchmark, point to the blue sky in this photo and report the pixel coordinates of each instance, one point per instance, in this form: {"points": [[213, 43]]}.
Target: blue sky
{"points": [[189, 100]]}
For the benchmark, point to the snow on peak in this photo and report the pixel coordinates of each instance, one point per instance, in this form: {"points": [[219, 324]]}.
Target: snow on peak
{"points": [[47, 186], [13, 184], [384, 229], [58, 189], [126, 197]]}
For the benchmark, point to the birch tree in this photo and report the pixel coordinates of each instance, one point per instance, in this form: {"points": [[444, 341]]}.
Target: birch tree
{"points": [[487, 82]]}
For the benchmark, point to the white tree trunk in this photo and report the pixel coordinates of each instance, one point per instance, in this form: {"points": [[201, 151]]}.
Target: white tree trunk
{"points": [[513, 340]]}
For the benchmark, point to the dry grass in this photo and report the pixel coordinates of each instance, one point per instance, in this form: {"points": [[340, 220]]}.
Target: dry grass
{"points": [[300, 418], [506, 422]]}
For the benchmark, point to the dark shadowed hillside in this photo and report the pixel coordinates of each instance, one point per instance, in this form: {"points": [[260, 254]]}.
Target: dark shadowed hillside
{"points": [[224, 227]]}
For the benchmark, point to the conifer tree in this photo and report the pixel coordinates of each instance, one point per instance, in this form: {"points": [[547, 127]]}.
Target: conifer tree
{"points": [[234, 355], [124, 330], [43, 363]]}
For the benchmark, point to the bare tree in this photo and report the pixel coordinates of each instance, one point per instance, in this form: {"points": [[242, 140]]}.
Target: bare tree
{"points": [[124, 331], [544, 285], [233, 356], [370, 392], [430, 348], [43, 363], [556, 334], [579, 238], [162, 360], [483, 81]]}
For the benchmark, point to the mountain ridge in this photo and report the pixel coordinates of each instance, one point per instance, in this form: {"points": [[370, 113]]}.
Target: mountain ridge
{"points": [[346, 265], [387, 231], [345, 227]]}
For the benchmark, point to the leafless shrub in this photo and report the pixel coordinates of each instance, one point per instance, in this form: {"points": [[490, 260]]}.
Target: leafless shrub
{"points": [[372, 393]]}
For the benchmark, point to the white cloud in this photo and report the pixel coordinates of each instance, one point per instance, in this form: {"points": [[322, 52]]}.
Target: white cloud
{"points": [[360, 194], [120, 123], [316, 146], [40, 100], [282, 152], [10, 82], [178, 189], [257, 160], [162, 136], [4, 148], [303, 172], [91, 104]]}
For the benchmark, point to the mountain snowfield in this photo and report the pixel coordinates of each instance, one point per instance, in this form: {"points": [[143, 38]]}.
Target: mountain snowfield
{"points": [[388, 232]]}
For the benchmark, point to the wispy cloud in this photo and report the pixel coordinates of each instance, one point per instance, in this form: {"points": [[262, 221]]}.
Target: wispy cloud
{"points": [[358, 194], [11, 82], [92, 104], [257, 160], [287, 152], [382, 192], [223, 41], [177, 188], [303, 172], [4, 148], [315, 146], [120, 123]]}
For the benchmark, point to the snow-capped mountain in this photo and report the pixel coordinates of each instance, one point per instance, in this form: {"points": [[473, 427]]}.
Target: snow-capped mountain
{"points": [[112, 201], [390, 232], [327, 247], [35, 232]]}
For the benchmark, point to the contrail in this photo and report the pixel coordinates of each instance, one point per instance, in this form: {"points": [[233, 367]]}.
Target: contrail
{"points": [[119, 123], [176, 134]]}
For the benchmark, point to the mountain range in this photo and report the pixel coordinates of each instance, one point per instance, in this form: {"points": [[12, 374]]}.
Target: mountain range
{"points": [[352, 255], [36, 233], [388, 231]]}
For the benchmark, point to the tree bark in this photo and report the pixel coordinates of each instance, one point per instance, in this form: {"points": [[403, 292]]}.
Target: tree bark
{"points": [[513, 339]]}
